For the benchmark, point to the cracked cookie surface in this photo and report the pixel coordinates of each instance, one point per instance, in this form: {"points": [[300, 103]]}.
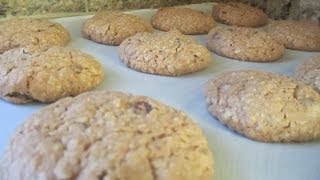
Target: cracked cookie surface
{"points": [[16, 33], [295, 35], [309, 72], [185, 20], [164, 53], [239, 14], [242, 43], [112, 28], [265, 106], [107, 135], [46, 74]]}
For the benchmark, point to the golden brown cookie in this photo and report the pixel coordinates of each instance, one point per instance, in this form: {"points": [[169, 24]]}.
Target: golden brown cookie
{"points": [[164, 53], [185, 20], [107, 135], [296, 35], [265, 106], [309, 72], [112, 28], [23, 32], [46, 74], [242, 43], [239, 14]]}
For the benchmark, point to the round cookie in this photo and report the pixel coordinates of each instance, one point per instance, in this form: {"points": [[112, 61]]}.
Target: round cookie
{"points": [[16, 33], [247, 44], [164, 53], [239, 14], [46, 74], [108, 135], [309, 72], [265, 106], [112, 28], [295, 34], [185, 20]]}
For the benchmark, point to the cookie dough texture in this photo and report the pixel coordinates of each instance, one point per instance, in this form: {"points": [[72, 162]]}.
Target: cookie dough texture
{"points": [[296, 35], [108, 135], [242, 43], [16, 33], [265, 106], [164, 53], [185, 20], [239, 14], [46, 74], [309, 72], [112, 28]]}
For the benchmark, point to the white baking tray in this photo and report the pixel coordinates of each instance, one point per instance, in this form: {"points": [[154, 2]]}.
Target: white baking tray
{"points": [[236, 157]]}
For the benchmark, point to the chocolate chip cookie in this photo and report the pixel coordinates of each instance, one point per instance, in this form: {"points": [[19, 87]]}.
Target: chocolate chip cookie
{"points": [[112, 28], [16, 33], [164, 53], [46, 74], [242, 43], [239, 14], [309, 72], [296, 35], [107, 135], [265, 106], [185, 20]]}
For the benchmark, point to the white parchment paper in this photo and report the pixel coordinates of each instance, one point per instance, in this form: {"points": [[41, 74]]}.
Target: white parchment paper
{"points": [[236, 157]]}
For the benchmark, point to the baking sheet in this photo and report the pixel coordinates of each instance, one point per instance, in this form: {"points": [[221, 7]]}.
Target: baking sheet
{"points": [[236, 157]]}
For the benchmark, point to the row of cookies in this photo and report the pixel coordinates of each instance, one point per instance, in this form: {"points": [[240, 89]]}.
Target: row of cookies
{"points": [[138, 43], [112, 28], [234, 42]]}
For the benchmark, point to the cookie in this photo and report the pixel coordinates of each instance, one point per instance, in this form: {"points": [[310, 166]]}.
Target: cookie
{"points": [[112, 28], [239, 14], [108, 135], [164, 53], [16, 33], [265, 106], [46, 74], [185, 20], [242, 43], [296, 35], [309, 72]]}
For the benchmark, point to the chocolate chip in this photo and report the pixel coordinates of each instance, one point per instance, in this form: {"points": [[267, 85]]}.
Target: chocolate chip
{"points": [[142, 107]]}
